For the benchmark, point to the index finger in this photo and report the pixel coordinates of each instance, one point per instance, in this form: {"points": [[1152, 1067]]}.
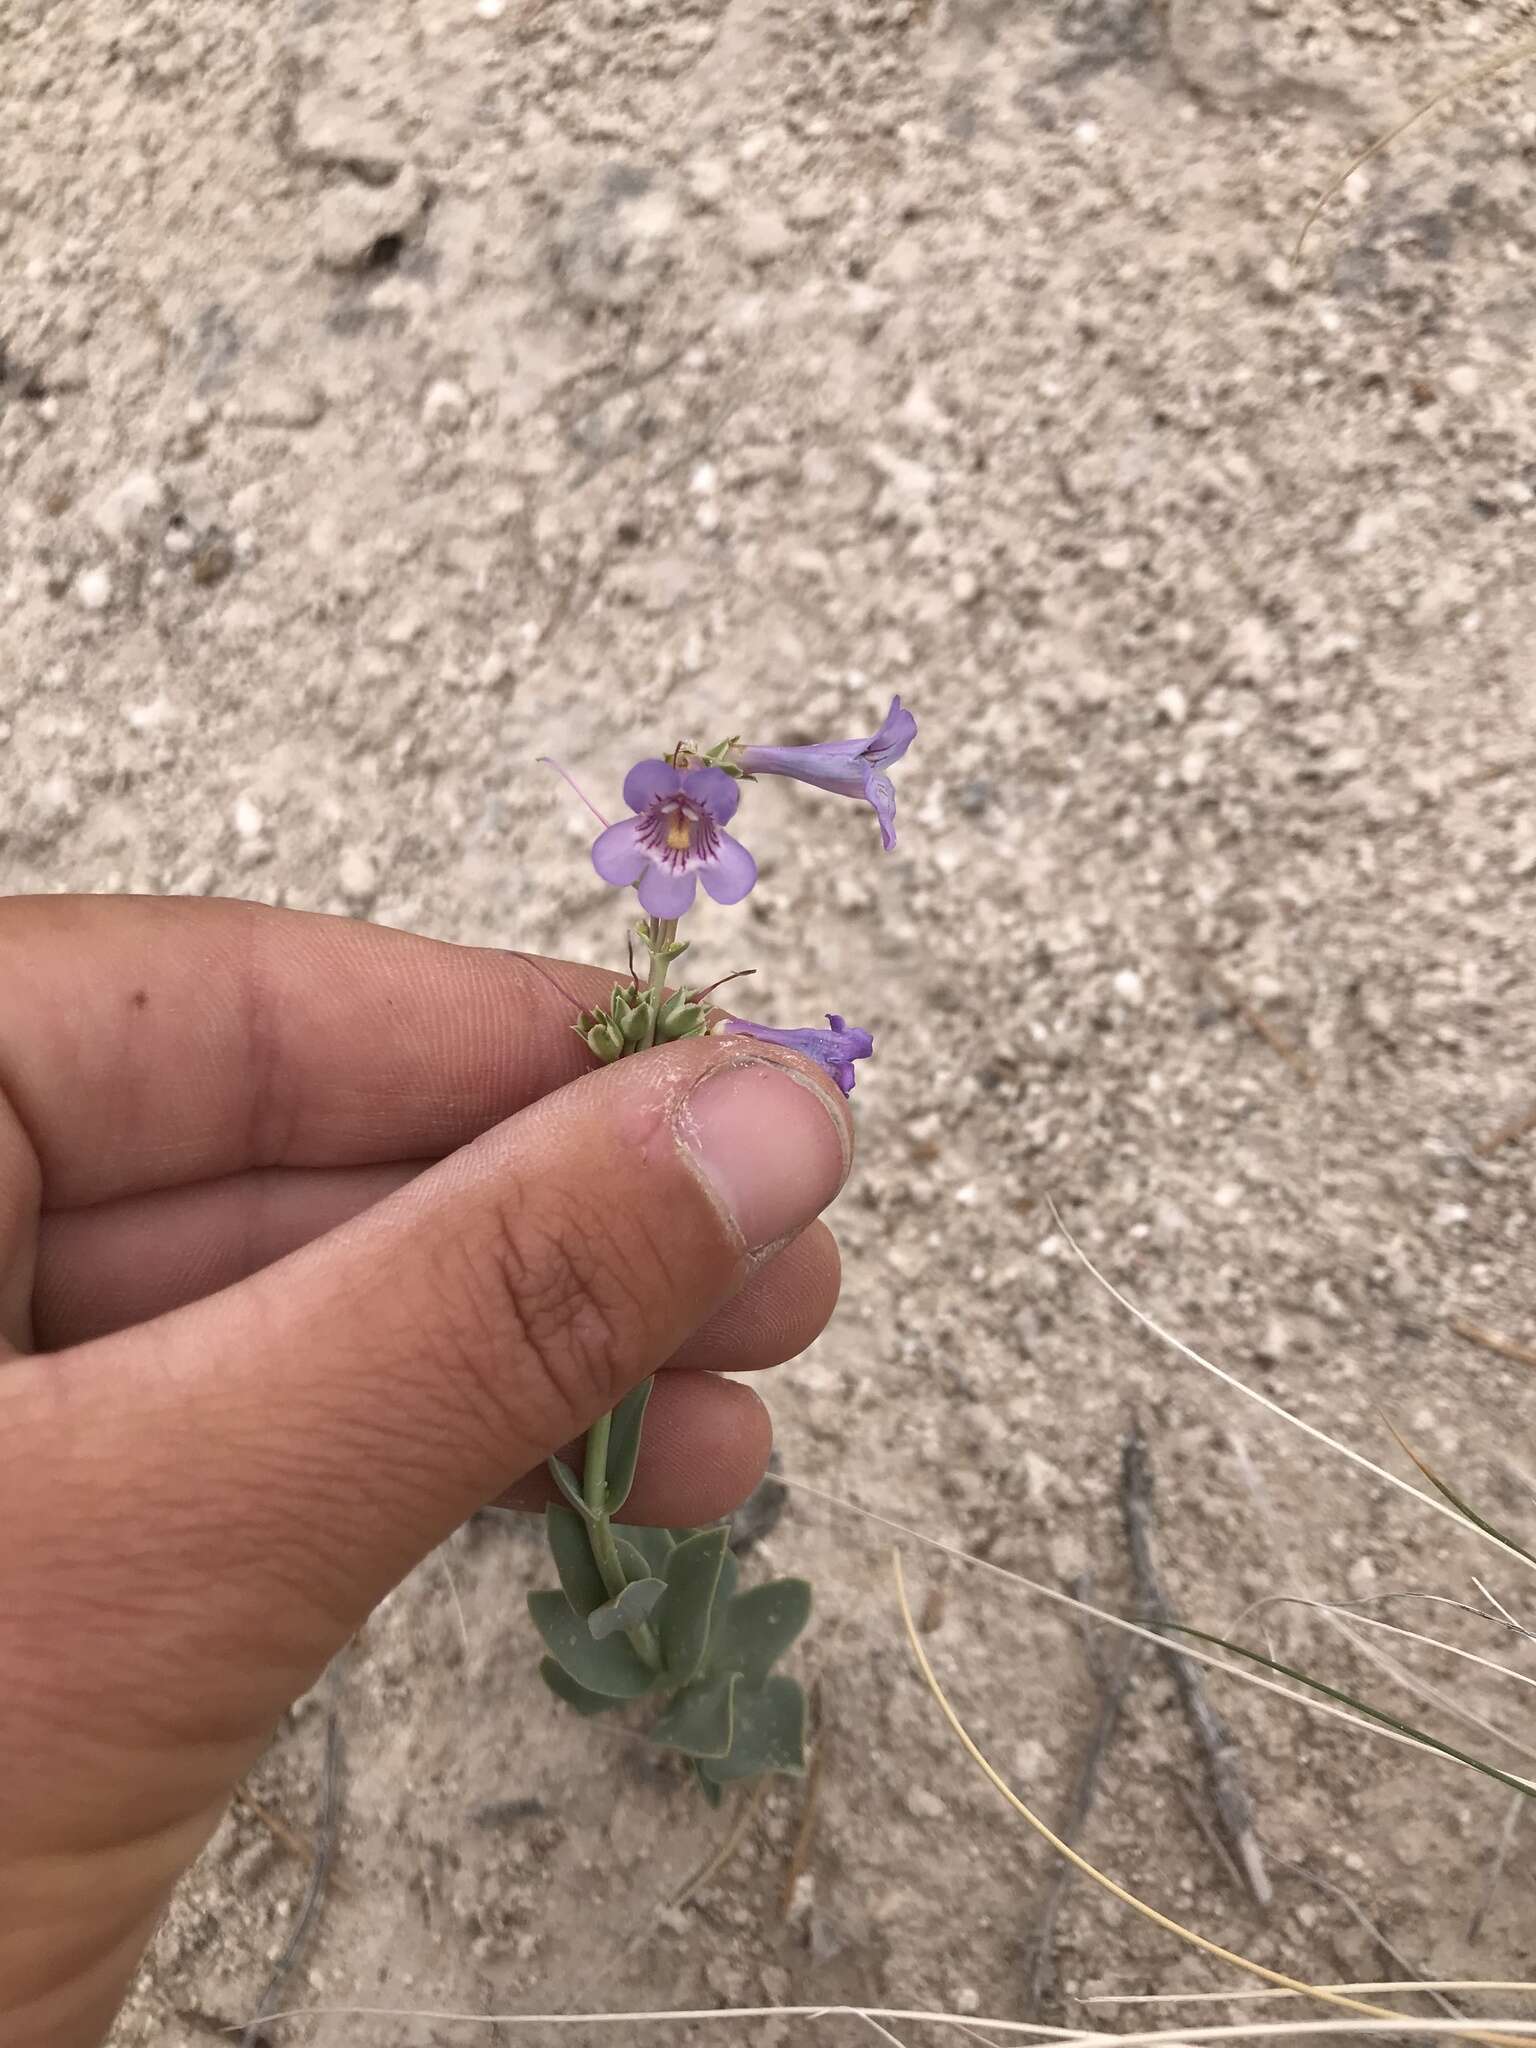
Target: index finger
{"points": [[150, 1042]]}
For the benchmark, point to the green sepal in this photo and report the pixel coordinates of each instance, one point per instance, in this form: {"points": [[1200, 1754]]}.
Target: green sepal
{"points": [[653, 1547], [610, 1667], [627, 1609], [580, 1579], [683, 1617], [600, 1038], [564, 1687], [758, 1626], [624, 1444], [635, 1025], [768, 1733], [680, 1018], [570, 1486], [700, 1721]]}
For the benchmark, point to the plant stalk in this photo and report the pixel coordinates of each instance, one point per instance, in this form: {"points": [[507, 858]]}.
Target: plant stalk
{"points": [[605, 1550]]}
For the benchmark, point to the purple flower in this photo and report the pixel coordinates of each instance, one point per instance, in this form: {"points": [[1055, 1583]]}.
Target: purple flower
{"points": [[835, 1049], [845, 767], [676, 837]]}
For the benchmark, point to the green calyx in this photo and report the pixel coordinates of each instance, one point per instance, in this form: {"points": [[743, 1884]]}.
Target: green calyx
{"points": [[623, 1025]]}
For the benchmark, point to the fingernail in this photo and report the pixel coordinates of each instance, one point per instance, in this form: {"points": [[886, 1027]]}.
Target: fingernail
{"points": [[770, 1145]]}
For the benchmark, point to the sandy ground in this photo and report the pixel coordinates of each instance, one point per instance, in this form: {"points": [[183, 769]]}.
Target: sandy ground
{"points": [[395, 390]]}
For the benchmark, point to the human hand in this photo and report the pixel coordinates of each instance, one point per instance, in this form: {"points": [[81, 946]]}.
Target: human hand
{"points": [[307, 1251]]}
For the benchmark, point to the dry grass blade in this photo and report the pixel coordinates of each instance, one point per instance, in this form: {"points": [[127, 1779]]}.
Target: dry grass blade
{"points": [[1258, 1023], [325, 1851], [1271, 1407], [1116, 1891], [1468, 81], [1377, 1725], [1490, 1340]]}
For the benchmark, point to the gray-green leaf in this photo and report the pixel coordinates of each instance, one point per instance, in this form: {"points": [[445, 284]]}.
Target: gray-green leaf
{"points": [[758, 1627], [624, 1444], [768, 1733], [654, 1546], [699, 1720], [611, 1667], [683, 1617], [579, 1576], [627, 1609], [564, 1687], [570, 1486]]}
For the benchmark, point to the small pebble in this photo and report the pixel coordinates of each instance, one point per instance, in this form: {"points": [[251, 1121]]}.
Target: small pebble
{"points": [[93, 587], [247, 818], [445, 406], [1129, 986], [925, 1805], [357, 875]]}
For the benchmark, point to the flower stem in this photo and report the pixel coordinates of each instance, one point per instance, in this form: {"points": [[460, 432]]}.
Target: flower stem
{"points": [[605, 1550], [659, 937]]}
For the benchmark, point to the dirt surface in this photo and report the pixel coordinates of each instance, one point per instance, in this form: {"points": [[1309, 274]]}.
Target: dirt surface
{"points": [[393, 391]]}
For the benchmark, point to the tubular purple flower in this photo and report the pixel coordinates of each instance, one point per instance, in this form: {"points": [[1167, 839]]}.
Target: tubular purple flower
{"points": [[836, 1049], [676, 839], [845, 767]]}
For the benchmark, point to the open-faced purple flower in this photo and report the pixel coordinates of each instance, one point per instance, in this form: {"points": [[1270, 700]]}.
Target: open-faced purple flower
{"points": [[836, 1049], [845, 767], [676, 839]]}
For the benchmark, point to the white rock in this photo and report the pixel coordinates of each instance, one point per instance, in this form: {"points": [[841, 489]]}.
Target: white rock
{"points": [[445, 406], [1173, 704], [126, 512], [357, 875], [490, 10], [1361, 1579], [494, 670], [1464, 379], [93, 587], [247, 818], [1128, 985], [925, 1805], [762, 236]]}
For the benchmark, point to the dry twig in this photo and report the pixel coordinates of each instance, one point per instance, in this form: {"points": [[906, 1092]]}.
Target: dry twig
{"points": [[1518, 1127], [1113, 1686], [325, 1852], [1490, 1340], [1257, 1022], [805, 1834], [1223, 1766]]}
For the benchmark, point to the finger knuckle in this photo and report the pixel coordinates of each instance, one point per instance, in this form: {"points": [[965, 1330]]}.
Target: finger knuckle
{"points": [[552, 1308]]}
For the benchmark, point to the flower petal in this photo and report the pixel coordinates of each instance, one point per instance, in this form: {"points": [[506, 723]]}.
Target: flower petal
{"points": [[896, 734], [881, 792], [618, 855], [664, 893], [714, 791], [648, 780], [730, 874]]}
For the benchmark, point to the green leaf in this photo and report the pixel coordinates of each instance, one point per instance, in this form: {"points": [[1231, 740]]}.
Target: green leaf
{"points": [[758, 1627], [653, 1546], [683, 1617], [564, 1687], [611, 1667], [579, 1576], [570, 1486], [627, 1609], [699, 1720], [624, 1444], [769, 1733], [710, 1790]]}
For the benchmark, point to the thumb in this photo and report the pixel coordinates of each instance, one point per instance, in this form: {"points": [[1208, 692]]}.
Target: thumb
{"points": [[238, 1483]]}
